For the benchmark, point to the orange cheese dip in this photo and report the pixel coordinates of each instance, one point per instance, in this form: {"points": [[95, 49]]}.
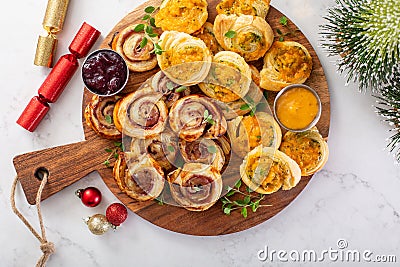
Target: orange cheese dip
{"points": [[297, 108]]}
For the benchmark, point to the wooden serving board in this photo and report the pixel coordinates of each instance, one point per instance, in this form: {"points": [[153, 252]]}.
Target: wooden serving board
{"points": [[69, 163]]}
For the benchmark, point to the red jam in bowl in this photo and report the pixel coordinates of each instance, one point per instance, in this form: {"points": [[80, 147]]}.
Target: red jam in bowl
{"points": [[104, 72]]}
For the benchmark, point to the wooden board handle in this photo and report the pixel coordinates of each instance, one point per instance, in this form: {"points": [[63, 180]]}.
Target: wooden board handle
{"points": [[65, 164]]}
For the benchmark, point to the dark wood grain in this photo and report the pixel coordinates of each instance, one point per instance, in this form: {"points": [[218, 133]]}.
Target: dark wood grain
{"points": [[66, 166]]}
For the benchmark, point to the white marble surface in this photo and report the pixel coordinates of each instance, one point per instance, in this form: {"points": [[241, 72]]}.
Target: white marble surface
{"points": [[355, 197]]}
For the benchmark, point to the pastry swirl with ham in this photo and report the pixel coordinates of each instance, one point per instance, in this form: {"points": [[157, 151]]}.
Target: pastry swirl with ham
{"points": [[229, 78], [142, 113], [140, 178], [266, 170], [99, 116], [194, 116], [185, 59], [182, 15], [246, 7], [210, 152], [285, 63], [127, 45], [163, 148], [171, 91], [196, 187], [247, 35]]}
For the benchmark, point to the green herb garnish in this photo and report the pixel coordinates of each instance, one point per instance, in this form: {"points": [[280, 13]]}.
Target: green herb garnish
{"points": [[230, 34]]}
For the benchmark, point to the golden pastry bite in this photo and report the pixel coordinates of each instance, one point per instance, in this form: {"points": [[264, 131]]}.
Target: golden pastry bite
{"points": [[195, 187], [246, 7], [99, 116], [236, 108], [229, 78], [255, 75], [247, 35], [308, 149], [206, 33], [185, 59], [285, 63], [127, 44], [182, 15], [195, 115], [266, 170], [140, 178], [248, 132], [142, 114]]}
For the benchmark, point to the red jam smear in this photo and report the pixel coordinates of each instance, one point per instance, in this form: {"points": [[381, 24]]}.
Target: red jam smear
{"points": [[104, 72]]}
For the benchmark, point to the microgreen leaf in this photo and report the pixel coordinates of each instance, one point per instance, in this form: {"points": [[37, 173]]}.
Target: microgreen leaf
{"points": [[108, 119], [149, 30], [149, 9], [139, 28], [170, 86], [230, 193], [244, 107], [107, 163], [278, 31], [246, 200], [238, 183], [244, 212], [180, 89], [146, 17], [153, 22], [283, 20], [152, 35], [143, 43], [205, 115], [227, 210], [109, 150], [230, 34], [281, 39]]}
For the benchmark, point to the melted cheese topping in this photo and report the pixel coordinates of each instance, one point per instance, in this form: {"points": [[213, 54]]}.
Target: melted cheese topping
{"points": [[305, 151], [230, 7], [249, 41], [184, 55], [291, 62], [182, 15], [252, 127]]}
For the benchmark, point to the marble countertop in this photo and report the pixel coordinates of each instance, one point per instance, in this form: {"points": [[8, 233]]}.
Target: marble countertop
{"points": [[354, 200]]}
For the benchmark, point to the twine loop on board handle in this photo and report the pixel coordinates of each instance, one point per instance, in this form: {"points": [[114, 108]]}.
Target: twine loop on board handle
{"points": [[46, 246]]}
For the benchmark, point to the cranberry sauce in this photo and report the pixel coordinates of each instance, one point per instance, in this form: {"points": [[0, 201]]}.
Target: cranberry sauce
{"points": [[104, 72]]}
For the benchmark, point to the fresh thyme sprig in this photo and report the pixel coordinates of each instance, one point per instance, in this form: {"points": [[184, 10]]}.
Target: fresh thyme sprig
{"points": [[247, 200], [148, 28], [118, 147], [284, 22]]}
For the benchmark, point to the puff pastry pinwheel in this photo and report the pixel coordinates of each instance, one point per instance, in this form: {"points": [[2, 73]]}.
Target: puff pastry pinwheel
{"points": [[196, 186], [250, 131], [240, 107], [182, 15], [247, 35], [206, 151], [285, 63], [138, 59], [229, 78], [163, 148], [140, 178], [99, 116], [266, 170], [206, 33], [170, 90], [246, 7], [142, 113], [185, 59], [308, 149], [194, 116]]}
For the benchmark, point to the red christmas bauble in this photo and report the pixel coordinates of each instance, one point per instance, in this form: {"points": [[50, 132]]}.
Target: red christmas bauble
{"points": [[90, 196], [116, 214]]}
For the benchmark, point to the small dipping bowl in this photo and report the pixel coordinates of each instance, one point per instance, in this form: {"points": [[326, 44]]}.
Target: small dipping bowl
{"points": [[105, 72], [297, 108]]}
